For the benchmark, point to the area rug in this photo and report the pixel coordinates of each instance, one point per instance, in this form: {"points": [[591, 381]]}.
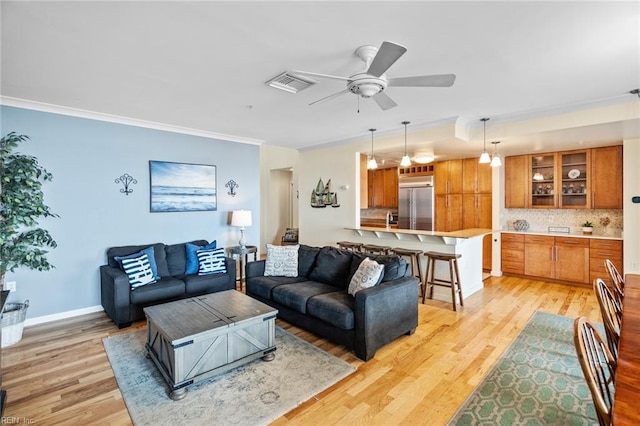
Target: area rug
{"points": [[254, 394], [538, 381]]}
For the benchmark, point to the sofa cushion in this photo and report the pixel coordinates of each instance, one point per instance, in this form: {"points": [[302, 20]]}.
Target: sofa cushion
{"points": [[263, 286], [211, 261], [164, 289], [296, 295], [202, 284], [158, 253], [332, 267], [394, 266], [306, 259], [368, 274], [336, 308], [177, 257], [282, 261]]}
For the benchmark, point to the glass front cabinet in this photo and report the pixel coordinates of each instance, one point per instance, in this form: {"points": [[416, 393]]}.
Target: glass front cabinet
{"points": [[560, 180]]}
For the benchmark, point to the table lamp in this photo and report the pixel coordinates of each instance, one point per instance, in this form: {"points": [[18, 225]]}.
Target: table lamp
{"points": [[241, 218]]}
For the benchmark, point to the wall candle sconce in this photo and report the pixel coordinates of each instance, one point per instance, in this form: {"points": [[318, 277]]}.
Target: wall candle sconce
{"points": [[126, 180], [232, 185]]}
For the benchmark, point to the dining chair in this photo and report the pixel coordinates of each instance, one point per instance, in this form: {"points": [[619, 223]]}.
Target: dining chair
{"points": [[617, 279], [598, 367], [611, 314]]}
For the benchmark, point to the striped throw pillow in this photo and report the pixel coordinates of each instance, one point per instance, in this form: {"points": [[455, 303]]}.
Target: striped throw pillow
{"points": [[138, 269], [211, 261]]}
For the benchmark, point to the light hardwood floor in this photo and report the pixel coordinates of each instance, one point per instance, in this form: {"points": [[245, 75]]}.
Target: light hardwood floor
{"points": [[59, 373]]}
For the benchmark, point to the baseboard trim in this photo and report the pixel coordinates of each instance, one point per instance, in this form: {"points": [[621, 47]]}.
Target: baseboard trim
{"points": [[63, 315]]}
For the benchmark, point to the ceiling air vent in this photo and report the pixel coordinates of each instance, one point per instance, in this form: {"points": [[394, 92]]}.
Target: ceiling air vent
{"points": [[290, 83]]}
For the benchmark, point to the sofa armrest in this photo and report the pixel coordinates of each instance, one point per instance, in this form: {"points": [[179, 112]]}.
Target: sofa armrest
{"points": [[383, 313], [255, 269], [114, 293]]}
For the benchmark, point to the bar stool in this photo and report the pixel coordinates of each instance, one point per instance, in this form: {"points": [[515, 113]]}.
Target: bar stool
{"points": [[375, 249], [414, 261], [348, 245], [454, 276]]}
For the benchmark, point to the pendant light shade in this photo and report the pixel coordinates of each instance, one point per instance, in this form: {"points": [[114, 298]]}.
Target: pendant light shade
{"points": [[406, 161], [484, 157], [372, 163], [495, 160]]}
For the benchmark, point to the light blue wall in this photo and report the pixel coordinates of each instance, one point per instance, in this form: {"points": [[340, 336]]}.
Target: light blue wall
{"points": [[85, 157]]}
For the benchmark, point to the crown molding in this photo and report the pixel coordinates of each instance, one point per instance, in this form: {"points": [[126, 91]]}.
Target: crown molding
{"points": [[92, 115]]}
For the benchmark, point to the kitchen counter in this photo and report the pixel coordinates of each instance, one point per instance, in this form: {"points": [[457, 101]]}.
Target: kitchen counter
{"points": [[466, 242], [613, 235]]}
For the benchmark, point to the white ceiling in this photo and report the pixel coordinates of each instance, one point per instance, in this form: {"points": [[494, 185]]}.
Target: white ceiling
{"points": [[202, 65]]}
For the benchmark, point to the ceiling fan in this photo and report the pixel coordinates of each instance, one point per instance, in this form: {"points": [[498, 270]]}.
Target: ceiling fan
{"points": [[372, 82]]}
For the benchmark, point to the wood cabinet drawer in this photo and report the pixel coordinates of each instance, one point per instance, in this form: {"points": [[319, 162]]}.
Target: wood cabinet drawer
{"points": [[572, 242], [512, 267], [512, 245], [538, 239], [593, 275], [611, 254], [597, 266], [605, 244], [513, 255], [513, 238]]}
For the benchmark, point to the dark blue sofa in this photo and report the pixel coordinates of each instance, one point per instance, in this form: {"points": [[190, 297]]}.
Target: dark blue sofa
{"points": [[124, 305], [317, 299]]}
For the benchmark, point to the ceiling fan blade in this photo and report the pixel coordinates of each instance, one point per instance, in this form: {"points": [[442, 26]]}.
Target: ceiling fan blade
{"points": [[386, 56], [327, 98], [384, 101], [438, 80], [315, 74]]}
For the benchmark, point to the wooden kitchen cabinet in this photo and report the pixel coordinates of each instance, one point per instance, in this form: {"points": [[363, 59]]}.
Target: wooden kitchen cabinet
{"points": [[512, 253], [390, 193], [448, 209], [572, 259], [581, 179], [516, 178], [476, 177], [448, 177], [383, 188], [560, 258], [599, 250], [606, 180], [538, 256]]}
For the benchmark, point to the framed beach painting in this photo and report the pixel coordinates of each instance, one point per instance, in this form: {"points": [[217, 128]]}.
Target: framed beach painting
{"points": [[182, 187]]}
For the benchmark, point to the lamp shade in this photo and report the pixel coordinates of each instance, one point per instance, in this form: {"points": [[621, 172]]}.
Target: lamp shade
{"points": [[241, 218]]}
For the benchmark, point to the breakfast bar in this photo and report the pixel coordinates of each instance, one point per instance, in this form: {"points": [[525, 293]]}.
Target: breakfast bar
{"points": [[465, 242]]}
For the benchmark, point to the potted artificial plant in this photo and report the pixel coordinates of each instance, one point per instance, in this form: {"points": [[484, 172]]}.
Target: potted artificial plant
{"points": [[587, 227], [22, 242]]}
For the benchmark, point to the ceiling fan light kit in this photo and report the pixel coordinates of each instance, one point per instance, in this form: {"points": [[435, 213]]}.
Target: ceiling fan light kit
{"points": [[484, 157], [372, 82]]}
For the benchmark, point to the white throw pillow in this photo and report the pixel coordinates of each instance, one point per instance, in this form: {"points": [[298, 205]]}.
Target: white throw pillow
{"points": [[282, 261], [367, 275]]}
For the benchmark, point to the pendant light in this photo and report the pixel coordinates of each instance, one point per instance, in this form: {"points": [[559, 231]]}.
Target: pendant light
{"points": [[495, 160], [484, 157], [406, 161], [372, 164]]}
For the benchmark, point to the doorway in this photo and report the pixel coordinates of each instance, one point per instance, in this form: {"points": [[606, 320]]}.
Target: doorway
{"points": [[280, 204]]}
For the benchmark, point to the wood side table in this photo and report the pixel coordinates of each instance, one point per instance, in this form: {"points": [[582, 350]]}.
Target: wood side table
{"points": [[242, 256]]}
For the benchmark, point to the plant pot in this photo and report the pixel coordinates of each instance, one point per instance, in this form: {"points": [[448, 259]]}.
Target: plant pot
{"points": [[587, 230], [13, 322]]}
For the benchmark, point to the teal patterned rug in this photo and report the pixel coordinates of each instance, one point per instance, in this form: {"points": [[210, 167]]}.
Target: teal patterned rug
{"points": [[538, 381]]}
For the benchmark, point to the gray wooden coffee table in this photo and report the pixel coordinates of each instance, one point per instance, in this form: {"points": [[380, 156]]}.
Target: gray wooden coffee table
{"points": [[193, 339]]}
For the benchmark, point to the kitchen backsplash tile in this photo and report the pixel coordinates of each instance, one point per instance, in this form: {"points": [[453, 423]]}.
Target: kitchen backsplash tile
{"points": [[540, 220]]}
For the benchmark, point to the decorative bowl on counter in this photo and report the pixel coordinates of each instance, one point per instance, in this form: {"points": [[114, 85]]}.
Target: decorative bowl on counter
{"points": [[521, 225]]}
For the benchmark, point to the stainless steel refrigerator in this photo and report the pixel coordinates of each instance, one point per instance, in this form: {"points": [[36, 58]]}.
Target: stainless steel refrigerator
{"points": [[415, 203]]}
